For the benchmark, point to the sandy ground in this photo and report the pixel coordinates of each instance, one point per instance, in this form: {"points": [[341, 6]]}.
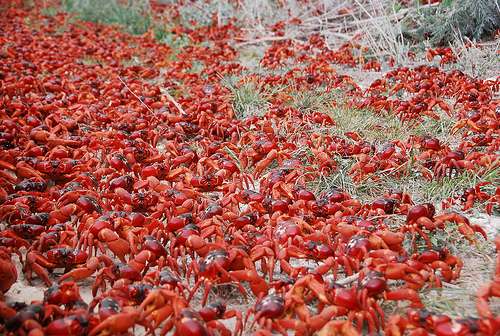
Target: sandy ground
{"points": [[456, 299], [22, 291]]}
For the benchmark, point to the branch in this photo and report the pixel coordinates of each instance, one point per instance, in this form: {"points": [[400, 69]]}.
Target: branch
{"points": [[348, 280], [264, 39], [136, 96], [173, 101]]}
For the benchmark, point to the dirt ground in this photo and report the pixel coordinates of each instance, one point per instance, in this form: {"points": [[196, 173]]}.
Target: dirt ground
{"points": [[457, 299]]}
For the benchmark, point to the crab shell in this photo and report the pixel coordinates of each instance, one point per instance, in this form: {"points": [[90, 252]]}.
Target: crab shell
{"points": [[8, 272]]}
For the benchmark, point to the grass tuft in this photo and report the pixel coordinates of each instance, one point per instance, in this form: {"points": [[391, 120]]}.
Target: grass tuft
{"points": [[163, 34], [476, 61], [377, 128], [49, 11], [439, 189], [249, 98], [134, 16], [317, 100], [338, 179], [248, 101]]}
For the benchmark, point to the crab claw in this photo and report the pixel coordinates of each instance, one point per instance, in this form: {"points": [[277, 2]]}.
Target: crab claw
{"points": [[38, 263], [117, 245], [124, 195], [264, 163], [62, 214], [82, 272], [116, 324], [405, 294]]}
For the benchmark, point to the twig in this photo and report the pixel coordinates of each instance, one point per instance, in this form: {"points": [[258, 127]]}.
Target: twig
{"points": [[385, 216], [264, 39], [449, 285], [173, 101], [348, 279], [136, 96]]}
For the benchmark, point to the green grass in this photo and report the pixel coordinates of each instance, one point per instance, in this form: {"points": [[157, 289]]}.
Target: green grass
{"points": [[163, 34], [50, 11], [249, 98], [372, 127], [379, 128], [337, 179], [132, 61], [318, 100], [366, 190], [134, 16], [438, 189]]}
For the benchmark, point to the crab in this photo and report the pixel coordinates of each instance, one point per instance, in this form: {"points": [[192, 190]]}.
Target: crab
{"points": [[221, 266]]}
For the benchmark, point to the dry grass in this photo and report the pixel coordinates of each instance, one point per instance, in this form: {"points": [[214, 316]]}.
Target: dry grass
{"points": [[382, 30], [478, 61]]}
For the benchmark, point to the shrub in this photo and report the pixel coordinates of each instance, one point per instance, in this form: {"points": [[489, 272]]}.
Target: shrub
{"points": [[475, 19]]}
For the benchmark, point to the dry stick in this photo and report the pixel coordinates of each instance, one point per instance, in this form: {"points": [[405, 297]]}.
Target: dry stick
{"points": [[329, 15], [348, 279], [136, 96], [301, 28], [450, 285], [264, 39], [173, 101], [385, 216], [382, 33]]}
